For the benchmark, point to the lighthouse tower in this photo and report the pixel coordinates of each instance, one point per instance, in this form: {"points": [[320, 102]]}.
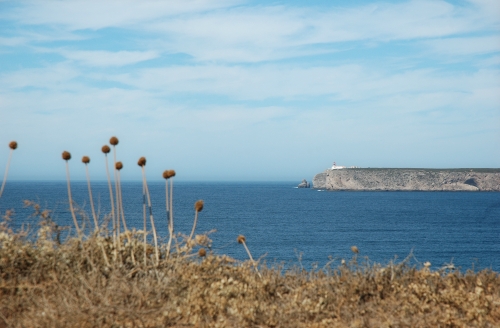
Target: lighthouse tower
{"points": [[337, 167]]}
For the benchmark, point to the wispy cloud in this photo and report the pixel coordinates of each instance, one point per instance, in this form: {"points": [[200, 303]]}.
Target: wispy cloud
{"points": [[51, 77], [12, 41], [108, 58], [94, 14], [273, 32], [256, 83], [229, 31], [461, 46]]}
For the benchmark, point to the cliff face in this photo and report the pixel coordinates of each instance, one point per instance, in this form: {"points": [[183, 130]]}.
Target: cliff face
{"points": [[409, 179]]}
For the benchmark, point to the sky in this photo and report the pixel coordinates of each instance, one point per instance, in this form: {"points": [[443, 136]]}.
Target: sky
{"points": [[234, 90]]}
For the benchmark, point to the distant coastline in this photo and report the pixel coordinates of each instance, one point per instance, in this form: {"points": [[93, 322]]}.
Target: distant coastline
{"points": [[409, 179]]}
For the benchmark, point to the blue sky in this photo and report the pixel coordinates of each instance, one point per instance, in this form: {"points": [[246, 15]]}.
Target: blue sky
{"points": [[249, 90]]}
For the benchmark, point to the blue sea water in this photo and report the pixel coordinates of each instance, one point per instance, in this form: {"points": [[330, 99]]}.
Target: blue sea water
{"points": [[284, 224]]}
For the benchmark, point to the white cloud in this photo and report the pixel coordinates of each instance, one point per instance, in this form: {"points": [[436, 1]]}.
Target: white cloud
{"points": [[354, 83], [273, 32], [226, 31], [95, 14], [464, 45], [12, 41], [108, 58], [289, 83], [227, 118], [51, 77], [490, 10], [246, 83]]}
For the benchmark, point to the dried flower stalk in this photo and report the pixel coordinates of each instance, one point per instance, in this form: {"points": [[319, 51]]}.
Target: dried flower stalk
{"points": [[12, 146]]}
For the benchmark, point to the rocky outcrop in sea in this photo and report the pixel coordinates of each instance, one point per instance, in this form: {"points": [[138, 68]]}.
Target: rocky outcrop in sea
{"points": [[304, 184], [409, 179]]}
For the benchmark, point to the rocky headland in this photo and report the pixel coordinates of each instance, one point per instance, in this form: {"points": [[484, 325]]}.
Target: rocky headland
{"points": [[408, 179]]}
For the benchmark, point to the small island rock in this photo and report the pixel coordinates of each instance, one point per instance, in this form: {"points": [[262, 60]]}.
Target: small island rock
{"points": [[304, 184]]}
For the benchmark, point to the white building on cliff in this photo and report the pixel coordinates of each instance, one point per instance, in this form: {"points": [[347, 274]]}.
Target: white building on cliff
{"points": [[337, 167]]}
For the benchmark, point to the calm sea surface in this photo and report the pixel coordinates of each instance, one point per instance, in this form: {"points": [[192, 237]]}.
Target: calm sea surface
{"points": [[284, 223]]}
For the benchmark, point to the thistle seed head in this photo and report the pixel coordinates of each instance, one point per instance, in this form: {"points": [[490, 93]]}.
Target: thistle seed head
{"points": [[105, 149], [354, 249], [167, 174], [142, 161], [66, 155], [198, 206], [13, 145], [85, 159], [202, 252], [118, 166], [113, 141], [241, 239]]}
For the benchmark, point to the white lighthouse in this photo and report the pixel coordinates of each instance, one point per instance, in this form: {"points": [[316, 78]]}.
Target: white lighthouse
{"points": [[337, 167]]}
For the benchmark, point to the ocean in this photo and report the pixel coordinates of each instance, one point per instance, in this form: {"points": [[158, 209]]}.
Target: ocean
{"points": [[303, 227]]}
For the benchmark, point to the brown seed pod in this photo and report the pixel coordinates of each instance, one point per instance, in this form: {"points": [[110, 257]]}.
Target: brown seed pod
{"points": [[202, 252], [198, 206], [113, 141], [66, 155], [119, 166], [13, 145], [142, 161], [105, 149], [241, 239], [355, 249], [85, 159], [167, 174]]}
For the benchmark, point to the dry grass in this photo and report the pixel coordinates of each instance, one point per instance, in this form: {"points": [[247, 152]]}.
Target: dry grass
{"points": [[94, 280], [47, 283]]}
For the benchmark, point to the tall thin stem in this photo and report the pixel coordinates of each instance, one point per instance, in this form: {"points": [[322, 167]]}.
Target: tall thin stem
{"points": [[6, 172], [144, 219], [250, 256], [198, 207], [194, 225], [86, 160], [171, 208], [248, 252], [121, 202], [71, 201], [117, 196], [119, 205], [91, 198], [170, 214], [167, 204], [151, 215], [112, 200]]}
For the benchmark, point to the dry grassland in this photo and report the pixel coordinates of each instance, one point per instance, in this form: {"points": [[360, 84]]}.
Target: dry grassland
{"points": [[44, 283]]}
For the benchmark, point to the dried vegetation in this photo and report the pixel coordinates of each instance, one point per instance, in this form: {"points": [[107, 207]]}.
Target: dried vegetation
{"points": [[47, 284], [114, 278]]}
